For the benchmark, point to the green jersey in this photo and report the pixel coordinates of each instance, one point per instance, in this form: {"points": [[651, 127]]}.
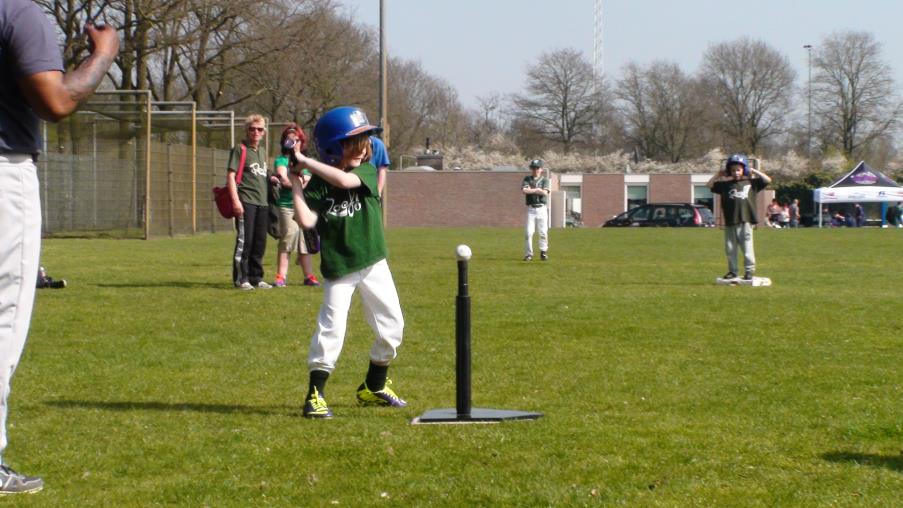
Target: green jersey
{"points": [[536, 183], [738, 199], [285, 193], [350, 223], [253, 186]]}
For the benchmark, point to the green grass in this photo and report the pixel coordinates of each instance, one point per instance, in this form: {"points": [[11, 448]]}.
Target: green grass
{"points": [[150, 381]]}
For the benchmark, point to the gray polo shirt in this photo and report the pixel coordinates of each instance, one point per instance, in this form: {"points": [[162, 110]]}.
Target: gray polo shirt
{"points": [[28, 46]]}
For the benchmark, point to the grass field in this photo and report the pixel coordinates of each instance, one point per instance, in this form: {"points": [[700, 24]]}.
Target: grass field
{"points": [[150, 381]]}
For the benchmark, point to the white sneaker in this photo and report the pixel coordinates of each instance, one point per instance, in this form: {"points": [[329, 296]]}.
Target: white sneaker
{"points": [[12, 482], [246, 286], [264, 285]]}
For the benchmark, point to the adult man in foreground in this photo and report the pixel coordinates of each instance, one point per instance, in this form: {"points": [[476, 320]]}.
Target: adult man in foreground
{"points": [[33, 86]]}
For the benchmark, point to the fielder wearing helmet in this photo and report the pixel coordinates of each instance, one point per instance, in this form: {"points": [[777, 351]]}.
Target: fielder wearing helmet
{"points": [[342, 202], [738, 186]]}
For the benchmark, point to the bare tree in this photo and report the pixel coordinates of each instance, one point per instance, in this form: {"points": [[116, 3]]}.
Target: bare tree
{"points": [[422, 106], [853, 92], [559, 104], [661, 107], [329, 62], [487, 120], [636, 110], [753, 86]]}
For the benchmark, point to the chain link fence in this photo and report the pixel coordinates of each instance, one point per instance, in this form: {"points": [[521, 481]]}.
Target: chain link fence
{"points": [[128, 167]]}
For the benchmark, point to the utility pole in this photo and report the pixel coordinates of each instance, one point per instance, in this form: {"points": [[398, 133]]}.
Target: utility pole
{"points": [[383, 89]]}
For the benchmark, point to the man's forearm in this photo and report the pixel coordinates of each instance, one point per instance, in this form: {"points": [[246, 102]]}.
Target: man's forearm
{"points": [[81, 83]]}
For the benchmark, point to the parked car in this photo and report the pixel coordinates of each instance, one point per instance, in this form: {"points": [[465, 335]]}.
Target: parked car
{"points": [[664, 215]]}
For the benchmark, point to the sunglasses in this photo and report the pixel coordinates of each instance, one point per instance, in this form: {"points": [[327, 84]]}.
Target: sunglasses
{"points": [[258, 129]]}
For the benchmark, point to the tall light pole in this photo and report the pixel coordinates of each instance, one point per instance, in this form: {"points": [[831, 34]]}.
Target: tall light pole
{"points": [[383, 89], [808, 48]]}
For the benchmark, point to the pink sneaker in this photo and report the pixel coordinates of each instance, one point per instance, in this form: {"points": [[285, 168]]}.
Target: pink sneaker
{"points": [[310, 280], [280, 282]]}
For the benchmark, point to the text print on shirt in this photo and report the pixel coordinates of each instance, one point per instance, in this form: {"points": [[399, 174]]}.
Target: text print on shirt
{"points": [[344, 209], [744, 194], [256, 170]]}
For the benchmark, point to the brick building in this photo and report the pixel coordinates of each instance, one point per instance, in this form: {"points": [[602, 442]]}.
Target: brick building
{"points": [[493, 198]]}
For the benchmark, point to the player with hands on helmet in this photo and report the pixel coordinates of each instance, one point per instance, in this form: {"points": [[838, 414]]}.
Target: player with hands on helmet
{"points": [[342, 202], [738, 185]]}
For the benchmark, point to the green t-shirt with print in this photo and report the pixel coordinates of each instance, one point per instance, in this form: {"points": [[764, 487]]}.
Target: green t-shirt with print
{"points": [[253, 186], [350, 223], [285, 193], [536, 183]]}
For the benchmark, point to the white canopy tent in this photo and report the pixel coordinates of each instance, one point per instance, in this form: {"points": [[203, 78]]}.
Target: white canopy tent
{"points": [[861, 185]]}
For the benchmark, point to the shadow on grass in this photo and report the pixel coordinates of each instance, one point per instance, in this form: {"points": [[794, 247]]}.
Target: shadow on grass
{"points": [[177, 407], [170, 284], [894, 462]]}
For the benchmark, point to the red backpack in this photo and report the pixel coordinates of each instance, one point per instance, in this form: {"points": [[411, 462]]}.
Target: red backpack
{"points": [[221, 194]]}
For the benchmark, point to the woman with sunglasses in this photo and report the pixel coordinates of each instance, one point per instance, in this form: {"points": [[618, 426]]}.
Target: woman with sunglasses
{"points": [[249, 201]]}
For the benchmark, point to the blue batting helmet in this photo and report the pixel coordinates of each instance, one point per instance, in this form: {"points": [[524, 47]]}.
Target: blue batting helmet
{"points": [[738, 158], [338, 124]]}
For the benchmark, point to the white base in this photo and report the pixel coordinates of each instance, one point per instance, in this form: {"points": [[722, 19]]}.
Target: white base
{"points": [[756, 282]]}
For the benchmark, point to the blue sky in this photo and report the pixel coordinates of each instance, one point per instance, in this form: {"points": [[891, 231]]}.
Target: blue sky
{"points": [[483, 46]]}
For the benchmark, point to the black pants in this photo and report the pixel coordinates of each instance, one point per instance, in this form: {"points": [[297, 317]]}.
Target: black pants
{"points": [[250, 244]]}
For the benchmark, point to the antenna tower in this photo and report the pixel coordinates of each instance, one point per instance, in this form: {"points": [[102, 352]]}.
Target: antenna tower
{"points": [[598, 70]]}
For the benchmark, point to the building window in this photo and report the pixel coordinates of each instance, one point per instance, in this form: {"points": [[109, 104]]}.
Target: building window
{"points": [[702, 195], [636, 196]]}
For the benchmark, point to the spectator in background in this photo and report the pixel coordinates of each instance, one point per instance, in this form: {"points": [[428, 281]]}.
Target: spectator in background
{"points": [[773, 213], [858, 215], [838, 220], [892, 215], [33, 86], [291, 236], [249, 201], [785, 216], [848, 220], [380, 159], [794, 210]]}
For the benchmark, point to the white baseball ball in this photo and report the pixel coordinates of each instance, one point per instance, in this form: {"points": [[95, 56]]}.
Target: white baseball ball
{"points": [[463, 252]]}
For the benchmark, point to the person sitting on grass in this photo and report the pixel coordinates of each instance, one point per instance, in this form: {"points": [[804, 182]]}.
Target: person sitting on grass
{"points": [[342, 202], [738, 186]]}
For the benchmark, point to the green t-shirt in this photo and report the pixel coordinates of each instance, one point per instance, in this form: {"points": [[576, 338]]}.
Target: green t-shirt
{"points": [[253, 186], [738, 199], [350, 223], [285, 193], [536, 183]]}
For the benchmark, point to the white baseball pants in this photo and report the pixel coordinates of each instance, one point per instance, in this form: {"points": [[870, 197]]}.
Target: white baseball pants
{"points": [[20, 248], [382, 311], [537, 221]]}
